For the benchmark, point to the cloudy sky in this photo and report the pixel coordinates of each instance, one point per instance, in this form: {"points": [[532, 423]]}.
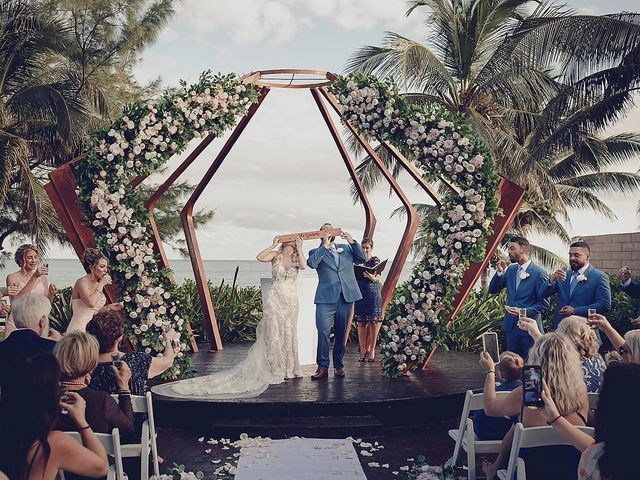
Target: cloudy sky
{"points": [[285, 174]]}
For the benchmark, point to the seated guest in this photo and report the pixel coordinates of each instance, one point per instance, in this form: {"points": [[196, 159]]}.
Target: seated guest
{"points": [[628, 346], [77, 355], [560, 365], [510, 373], [612, 454], [29, 447], [108, 328], [31, 317], [585, 341]]}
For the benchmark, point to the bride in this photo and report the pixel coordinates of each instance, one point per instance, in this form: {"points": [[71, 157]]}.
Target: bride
{"points": [[274, 355]]}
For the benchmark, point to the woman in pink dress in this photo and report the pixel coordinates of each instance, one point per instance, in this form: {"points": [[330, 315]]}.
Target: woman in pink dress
{"points": [[88, 297], [31, 278]]}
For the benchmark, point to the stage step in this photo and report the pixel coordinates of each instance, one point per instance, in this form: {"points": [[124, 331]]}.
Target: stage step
{"points": [[316, 427]]}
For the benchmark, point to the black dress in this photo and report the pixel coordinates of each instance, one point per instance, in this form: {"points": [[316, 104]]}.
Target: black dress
{"points": [[103, 378], [369, 308]]}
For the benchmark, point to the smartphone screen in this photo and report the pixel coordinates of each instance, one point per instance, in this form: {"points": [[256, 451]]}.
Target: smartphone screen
{"points": [[490, 345], [532, 385]]}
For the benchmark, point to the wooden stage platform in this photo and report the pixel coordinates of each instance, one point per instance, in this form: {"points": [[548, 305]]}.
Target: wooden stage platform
{"points": [[359, 404]]}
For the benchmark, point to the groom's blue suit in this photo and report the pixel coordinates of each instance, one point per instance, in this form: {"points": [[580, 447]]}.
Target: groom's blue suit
{"points": [[336, 292]]}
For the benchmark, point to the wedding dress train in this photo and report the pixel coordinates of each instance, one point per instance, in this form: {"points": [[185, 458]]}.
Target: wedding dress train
{"points": [[272, 357]]}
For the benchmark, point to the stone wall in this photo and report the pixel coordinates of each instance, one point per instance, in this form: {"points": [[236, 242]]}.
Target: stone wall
{"points": [[610, 252]]}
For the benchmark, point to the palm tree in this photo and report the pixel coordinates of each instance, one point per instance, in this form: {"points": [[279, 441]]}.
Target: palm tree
{"points": [[65, 71], [539, 104]]}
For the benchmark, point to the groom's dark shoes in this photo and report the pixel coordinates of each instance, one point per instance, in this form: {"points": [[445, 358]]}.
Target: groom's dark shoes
{"points": [[338, 372], [320, 374]]}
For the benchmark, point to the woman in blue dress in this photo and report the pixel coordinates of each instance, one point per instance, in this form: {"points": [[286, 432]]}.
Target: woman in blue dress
{"points": [[368, 311]]}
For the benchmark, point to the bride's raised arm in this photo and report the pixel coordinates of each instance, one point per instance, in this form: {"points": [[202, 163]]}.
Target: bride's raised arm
{"points": [[269, 253], [302, 258]]}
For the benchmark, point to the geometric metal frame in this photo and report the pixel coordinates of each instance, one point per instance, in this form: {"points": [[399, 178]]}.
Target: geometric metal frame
{"points": [[61, 191]]}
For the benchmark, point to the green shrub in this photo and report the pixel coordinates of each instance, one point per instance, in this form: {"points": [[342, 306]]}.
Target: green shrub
{"points": [[238, 309], [61, 310], [480, 313]]}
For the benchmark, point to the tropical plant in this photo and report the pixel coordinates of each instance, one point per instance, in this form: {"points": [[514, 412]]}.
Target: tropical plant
{"points": [[61, 310], [539, 95], [480, 313], [65, 70], [238, 309]]}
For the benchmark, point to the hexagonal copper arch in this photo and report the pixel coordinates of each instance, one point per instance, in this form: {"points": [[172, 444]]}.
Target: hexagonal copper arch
{"points": [[61, 191]]}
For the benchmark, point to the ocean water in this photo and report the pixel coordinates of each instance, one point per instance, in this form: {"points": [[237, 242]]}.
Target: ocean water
{"points": [[64, 272]]}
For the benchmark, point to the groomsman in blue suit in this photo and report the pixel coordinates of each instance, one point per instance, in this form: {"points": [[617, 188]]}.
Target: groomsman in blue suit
{"points": [[525, 282], [336, 292], [580, 287]]}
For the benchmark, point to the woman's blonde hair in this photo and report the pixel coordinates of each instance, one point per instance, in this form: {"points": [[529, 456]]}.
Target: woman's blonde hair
{"points": [[632, 339], [581, 334], [561, 369], [510, 366], [77, 354]]}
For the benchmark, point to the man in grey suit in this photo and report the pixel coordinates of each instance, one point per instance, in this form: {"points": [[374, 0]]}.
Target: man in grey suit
{"points": [[336, 292]]}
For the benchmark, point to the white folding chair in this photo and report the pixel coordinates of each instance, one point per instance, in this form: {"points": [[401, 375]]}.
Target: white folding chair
{"points": [[530, 438], [465, 437], [147, 445], [111, 443]]}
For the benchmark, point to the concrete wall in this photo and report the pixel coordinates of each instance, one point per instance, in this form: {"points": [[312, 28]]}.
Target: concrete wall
{"points": [[610, 252]]}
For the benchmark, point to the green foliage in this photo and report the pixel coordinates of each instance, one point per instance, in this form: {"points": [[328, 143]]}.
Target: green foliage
{"points": [[61, 311], [66, 71], [238, 309], [480, 313]]}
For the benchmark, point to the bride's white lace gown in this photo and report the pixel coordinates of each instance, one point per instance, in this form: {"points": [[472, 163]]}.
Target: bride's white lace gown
{"points": [[270, 359]]}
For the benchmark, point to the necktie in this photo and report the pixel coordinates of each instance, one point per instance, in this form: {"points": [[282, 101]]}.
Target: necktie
{"points": [[518, 277], [334, 252], [574, 280]]}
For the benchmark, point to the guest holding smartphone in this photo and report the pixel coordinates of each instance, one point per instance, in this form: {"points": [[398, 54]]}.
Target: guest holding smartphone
{"points": [[368, 310], [31, 278], [559, 363]]}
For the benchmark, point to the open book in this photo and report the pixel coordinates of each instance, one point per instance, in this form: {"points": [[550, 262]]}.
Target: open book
{"points": [[360, 269]]}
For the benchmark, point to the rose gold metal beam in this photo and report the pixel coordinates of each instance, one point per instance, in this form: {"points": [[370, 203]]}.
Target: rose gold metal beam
{"points": [[186, 216], [411, 169], [412, 217], [511, 196], [370, 218]]}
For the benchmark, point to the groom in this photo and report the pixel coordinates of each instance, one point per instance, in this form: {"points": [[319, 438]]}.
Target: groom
{"points": [[336, 292]]}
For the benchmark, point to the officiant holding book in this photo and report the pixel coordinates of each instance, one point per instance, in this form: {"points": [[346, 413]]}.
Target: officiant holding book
{"points": [[368, 311]]}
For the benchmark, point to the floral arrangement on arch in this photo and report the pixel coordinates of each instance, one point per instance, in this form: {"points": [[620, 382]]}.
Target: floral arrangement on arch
{"points": [[139, 143], [442, 146]]}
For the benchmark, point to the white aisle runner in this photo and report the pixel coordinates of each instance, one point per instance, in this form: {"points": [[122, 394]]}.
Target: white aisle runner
{"points": [[299, 459]]}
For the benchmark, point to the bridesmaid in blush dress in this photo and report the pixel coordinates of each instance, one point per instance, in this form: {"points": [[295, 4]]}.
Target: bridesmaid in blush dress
{"points": [[31, 278], [88, 297]]}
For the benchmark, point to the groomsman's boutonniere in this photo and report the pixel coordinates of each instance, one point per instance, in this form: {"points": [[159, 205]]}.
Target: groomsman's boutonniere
{"points": [[524, 275], [582, 278], [340, 250]]}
